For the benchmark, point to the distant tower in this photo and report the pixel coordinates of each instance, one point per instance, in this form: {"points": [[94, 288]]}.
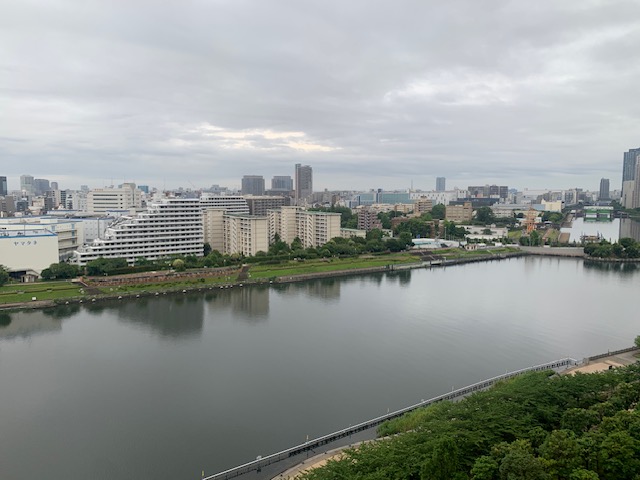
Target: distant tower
{"points": [[604, 189], [26, 184], [440, 184], [253, 185], [304, 182], [629, 164], [282, 183], [3, 186]]}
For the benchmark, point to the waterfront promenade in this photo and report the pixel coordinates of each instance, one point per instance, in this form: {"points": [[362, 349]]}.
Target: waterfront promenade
{"points": [[272, 465]]}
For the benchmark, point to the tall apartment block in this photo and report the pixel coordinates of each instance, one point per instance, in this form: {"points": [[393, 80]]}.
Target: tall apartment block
{"points": [[629, 175], [604, 189], [3, 186], [440, 184], [304, 182]]}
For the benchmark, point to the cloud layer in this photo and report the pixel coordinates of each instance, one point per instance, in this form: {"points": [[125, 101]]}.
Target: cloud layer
{"points": [[371, 94]]}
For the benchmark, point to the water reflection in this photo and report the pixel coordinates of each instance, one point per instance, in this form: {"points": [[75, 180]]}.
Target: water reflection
{"points": [[25, 325], [616, 268], [251, 303], [630, 229], [611, 231], [61, 312], [171, 316]]}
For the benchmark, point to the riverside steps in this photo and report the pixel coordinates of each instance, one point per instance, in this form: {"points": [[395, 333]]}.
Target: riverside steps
{"points": [[272, 465]]}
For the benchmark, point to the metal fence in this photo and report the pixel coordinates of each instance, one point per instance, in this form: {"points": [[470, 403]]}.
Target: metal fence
{"points": [[311, 444]]}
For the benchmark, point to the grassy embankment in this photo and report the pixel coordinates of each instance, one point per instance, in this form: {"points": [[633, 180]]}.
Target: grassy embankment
{"points": [[453, 253], [24, 292], [331, 265], [60, 290]]}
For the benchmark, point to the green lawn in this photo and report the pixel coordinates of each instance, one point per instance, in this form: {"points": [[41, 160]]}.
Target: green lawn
{"points": [[24, 292], [335, 264], [167, 286]]}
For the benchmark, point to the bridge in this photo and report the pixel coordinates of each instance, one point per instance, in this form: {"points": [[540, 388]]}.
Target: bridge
{"points": [[285, 456]]}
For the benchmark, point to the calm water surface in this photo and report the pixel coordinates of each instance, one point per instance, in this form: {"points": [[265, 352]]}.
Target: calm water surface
{"points": [[611, 231], [167, 387]]}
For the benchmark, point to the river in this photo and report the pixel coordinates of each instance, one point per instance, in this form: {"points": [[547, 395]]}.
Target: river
{"points": [[163, 388]]}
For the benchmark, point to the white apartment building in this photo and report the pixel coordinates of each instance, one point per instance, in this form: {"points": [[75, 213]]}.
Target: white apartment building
{"points": [[171, 226], [102, 199], [230, 203], [314, 229]]}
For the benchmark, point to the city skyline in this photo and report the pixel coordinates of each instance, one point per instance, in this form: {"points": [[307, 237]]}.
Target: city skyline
{"points": [[371, 95]]}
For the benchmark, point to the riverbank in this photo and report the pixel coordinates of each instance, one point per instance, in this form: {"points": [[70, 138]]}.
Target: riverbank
{"points": [[87, 290], [595, 364]]}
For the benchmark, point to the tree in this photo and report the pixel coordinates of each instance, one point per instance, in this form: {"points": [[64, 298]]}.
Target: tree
{"points": [[438, 211], [178, 264], [4, 275], [444, 461], [104, 266], [638, 341], [485, 215], [207, 249]]}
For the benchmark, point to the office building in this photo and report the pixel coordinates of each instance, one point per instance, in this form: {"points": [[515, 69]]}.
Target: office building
{"points": [[7, 205], [440, 184], [125, 197], [253, 185], [604, 189], [459, 213], [170, 226], [488, 191], [3, 186], [26, 185], [41, 186], [304, 183], [282, 183]]}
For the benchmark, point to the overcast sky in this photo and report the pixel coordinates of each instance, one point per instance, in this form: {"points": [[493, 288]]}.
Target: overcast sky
{"points": [[371, 94]]}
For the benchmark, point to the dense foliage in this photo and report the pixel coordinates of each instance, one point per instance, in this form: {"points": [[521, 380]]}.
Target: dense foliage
{"points": [[4, 275], [59, 271], [624, 248], [585, 426]]}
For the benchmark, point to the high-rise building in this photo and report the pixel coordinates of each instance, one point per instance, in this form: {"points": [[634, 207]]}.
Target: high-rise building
{"points": [[604, 189], [304, 182], [40, 186], [440, 184], [26, 184], [253, 185], [282, 183], [54, 185], [629, 164], [3, 186]]}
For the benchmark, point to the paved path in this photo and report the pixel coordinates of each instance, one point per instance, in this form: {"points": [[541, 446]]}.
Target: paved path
{"points": [[605, 363]]}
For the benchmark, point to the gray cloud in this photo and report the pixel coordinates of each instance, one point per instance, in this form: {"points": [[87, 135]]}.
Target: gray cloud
{"points": [[372, 94]]}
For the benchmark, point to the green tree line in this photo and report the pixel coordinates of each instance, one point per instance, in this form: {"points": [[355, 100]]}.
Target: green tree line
{"points": [[536, 426]]}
